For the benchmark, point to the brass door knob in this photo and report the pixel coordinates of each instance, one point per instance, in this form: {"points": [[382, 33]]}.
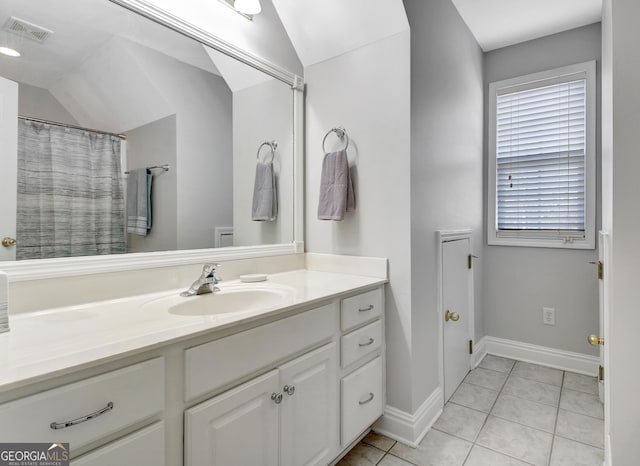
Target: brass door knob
{"points": [[448, 315], [8, 242], [595, 340]]}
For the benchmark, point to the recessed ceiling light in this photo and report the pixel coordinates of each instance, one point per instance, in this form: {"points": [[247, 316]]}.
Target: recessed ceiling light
{"points": [[9, 52]]}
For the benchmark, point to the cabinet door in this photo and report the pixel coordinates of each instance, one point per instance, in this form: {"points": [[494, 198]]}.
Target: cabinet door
{"points": [[309, 417], [239, 427], [142, 448]]}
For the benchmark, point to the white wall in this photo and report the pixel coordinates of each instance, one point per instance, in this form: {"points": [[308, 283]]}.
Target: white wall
{"points": [[622, 192], [519, 281], [37, 102], [326, 29], [263, 112], [367, 91], [145, 146], [446, 166]]}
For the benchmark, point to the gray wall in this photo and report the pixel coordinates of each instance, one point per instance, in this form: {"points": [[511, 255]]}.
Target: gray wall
{"points": [[518, 281], [446, 164], [367, 91], [37, 102], [263, 112], [145, 147], [416, 144]]}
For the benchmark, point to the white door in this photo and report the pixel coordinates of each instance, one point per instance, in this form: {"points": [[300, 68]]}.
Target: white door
{"points": [[456, 300], [237, 428], [9, 160], [309, 416]]}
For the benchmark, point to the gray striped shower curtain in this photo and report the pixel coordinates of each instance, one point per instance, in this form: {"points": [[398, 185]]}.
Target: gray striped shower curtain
{"points": [[70, 193]]}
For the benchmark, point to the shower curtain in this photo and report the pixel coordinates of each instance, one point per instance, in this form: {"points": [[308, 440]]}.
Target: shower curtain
{"points": [[70, 192]]}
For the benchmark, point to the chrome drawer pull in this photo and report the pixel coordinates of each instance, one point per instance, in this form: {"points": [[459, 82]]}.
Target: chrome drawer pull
{"points": [[370, 342], [62, 425], [366, 309], [277, 398], [368, 400]]}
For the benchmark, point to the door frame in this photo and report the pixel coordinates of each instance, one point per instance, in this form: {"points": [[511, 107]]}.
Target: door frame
{"points": [[9, 139], [445, 236], [604, 250]]}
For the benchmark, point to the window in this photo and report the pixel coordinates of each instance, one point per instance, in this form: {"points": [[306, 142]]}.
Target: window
{"points": [[542, 159]]}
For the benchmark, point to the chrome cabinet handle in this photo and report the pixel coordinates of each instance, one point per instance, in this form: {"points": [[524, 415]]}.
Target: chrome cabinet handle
{"points": [[289, 389], [368, 400], [100, 412], [370, 342], [277, 398], [366, 309]]}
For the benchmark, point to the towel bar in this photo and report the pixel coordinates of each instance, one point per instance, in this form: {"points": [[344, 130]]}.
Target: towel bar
{"points": [[164, 167], [340, 132]]}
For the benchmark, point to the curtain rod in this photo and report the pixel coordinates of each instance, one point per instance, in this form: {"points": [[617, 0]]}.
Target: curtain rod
{"points": [[66, 125]]}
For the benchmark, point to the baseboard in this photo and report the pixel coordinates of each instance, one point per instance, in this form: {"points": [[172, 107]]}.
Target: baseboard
{"points": [[545, 356], [479, 352], [407, 428]]}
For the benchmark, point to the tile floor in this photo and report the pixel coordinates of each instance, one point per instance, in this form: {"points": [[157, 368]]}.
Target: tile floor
{"points": [[504, 413]]}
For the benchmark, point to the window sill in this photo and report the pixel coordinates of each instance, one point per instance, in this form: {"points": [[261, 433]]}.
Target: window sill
{"points": [[556, 243]]}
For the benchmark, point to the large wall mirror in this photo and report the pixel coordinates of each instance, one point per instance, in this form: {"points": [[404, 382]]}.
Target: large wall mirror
{"points": [[133, 137]]}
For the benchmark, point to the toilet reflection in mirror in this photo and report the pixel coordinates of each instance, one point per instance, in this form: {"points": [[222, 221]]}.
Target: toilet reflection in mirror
{"points": [[105, 91]]}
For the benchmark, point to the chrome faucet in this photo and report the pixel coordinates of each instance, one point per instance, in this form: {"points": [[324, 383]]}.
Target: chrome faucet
{"points": [[206, 283]]}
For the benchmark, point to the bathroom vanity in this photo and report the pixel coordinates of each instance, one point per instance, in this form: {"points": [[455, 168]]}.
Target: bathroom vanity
{"points": [[161, 379]]}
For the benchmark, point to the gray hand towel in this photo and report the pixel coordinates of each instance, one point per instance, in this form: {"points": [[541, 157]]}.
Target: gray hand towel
{"points": [[265, 199], [336, 187], [139, 185]]}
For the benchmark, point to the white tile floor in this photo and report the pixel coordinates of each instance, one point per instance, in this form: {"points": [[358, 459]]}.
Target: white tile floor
{"points": [[504, 413]]}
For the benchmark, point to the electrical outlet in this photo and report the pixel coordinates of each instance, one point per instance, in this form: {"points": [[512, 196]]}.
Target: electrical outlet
{"points": [[548, 316]]}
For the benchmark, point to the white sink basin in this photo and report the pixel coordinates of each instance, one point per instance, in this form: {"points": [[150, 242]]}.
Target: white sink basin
{"points": [[230, 299]]}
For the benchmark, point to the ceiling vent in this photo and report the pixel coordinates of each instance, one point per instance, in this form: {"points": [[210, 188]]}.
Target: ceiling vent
{"points": [[27, 30]]}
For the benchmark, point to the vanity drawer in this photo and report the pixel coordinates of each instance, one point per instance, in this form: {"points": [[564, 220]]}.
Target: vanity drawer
{"points": [[362, 308], [361, 342], [136, 393], [361, 399], [142, 448], [216, 364]]}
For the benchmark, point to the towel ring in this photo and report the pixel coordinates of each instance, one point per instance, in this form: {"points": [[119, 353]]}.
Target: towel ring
{"points": [[272, 144], [340, 132]]}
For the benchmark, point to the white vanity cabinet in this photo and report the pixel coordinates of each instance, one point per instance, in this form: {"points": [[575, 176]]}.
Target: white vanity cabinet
{"points": [[286, 417], [309, 409], [294, 386], [93, 411], [362, 361], [142, 448], [238, 427]]}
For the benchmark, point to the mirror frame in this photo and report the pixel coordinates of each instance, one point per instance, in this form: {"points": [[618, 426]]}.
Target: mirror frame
{"points": [[37, 269]]}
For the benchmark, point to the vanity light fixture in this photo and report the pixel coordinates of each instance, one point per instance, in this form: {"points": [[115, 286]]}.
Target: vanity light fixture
{"points": [[248, 7], [232, 4], [10, 52]]}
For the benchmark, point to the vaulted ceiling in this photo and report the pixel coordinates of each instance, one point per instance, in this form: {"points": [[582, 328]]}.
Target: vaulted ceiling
{"points": [[499, 23]]}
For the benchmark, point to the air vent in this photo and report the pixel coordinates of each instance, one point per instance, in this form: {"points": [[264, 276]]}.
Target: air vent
{"points": [[28, 30]]}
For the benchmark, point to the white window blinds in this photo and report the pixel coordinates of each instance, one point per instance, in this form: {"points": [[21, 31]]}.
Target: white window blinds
{"points": [[540, 158]]}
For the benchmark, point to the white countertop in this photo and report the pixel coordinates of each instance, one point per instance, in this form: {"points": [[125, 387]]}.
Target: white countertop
{"points": [[54, 342]]}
